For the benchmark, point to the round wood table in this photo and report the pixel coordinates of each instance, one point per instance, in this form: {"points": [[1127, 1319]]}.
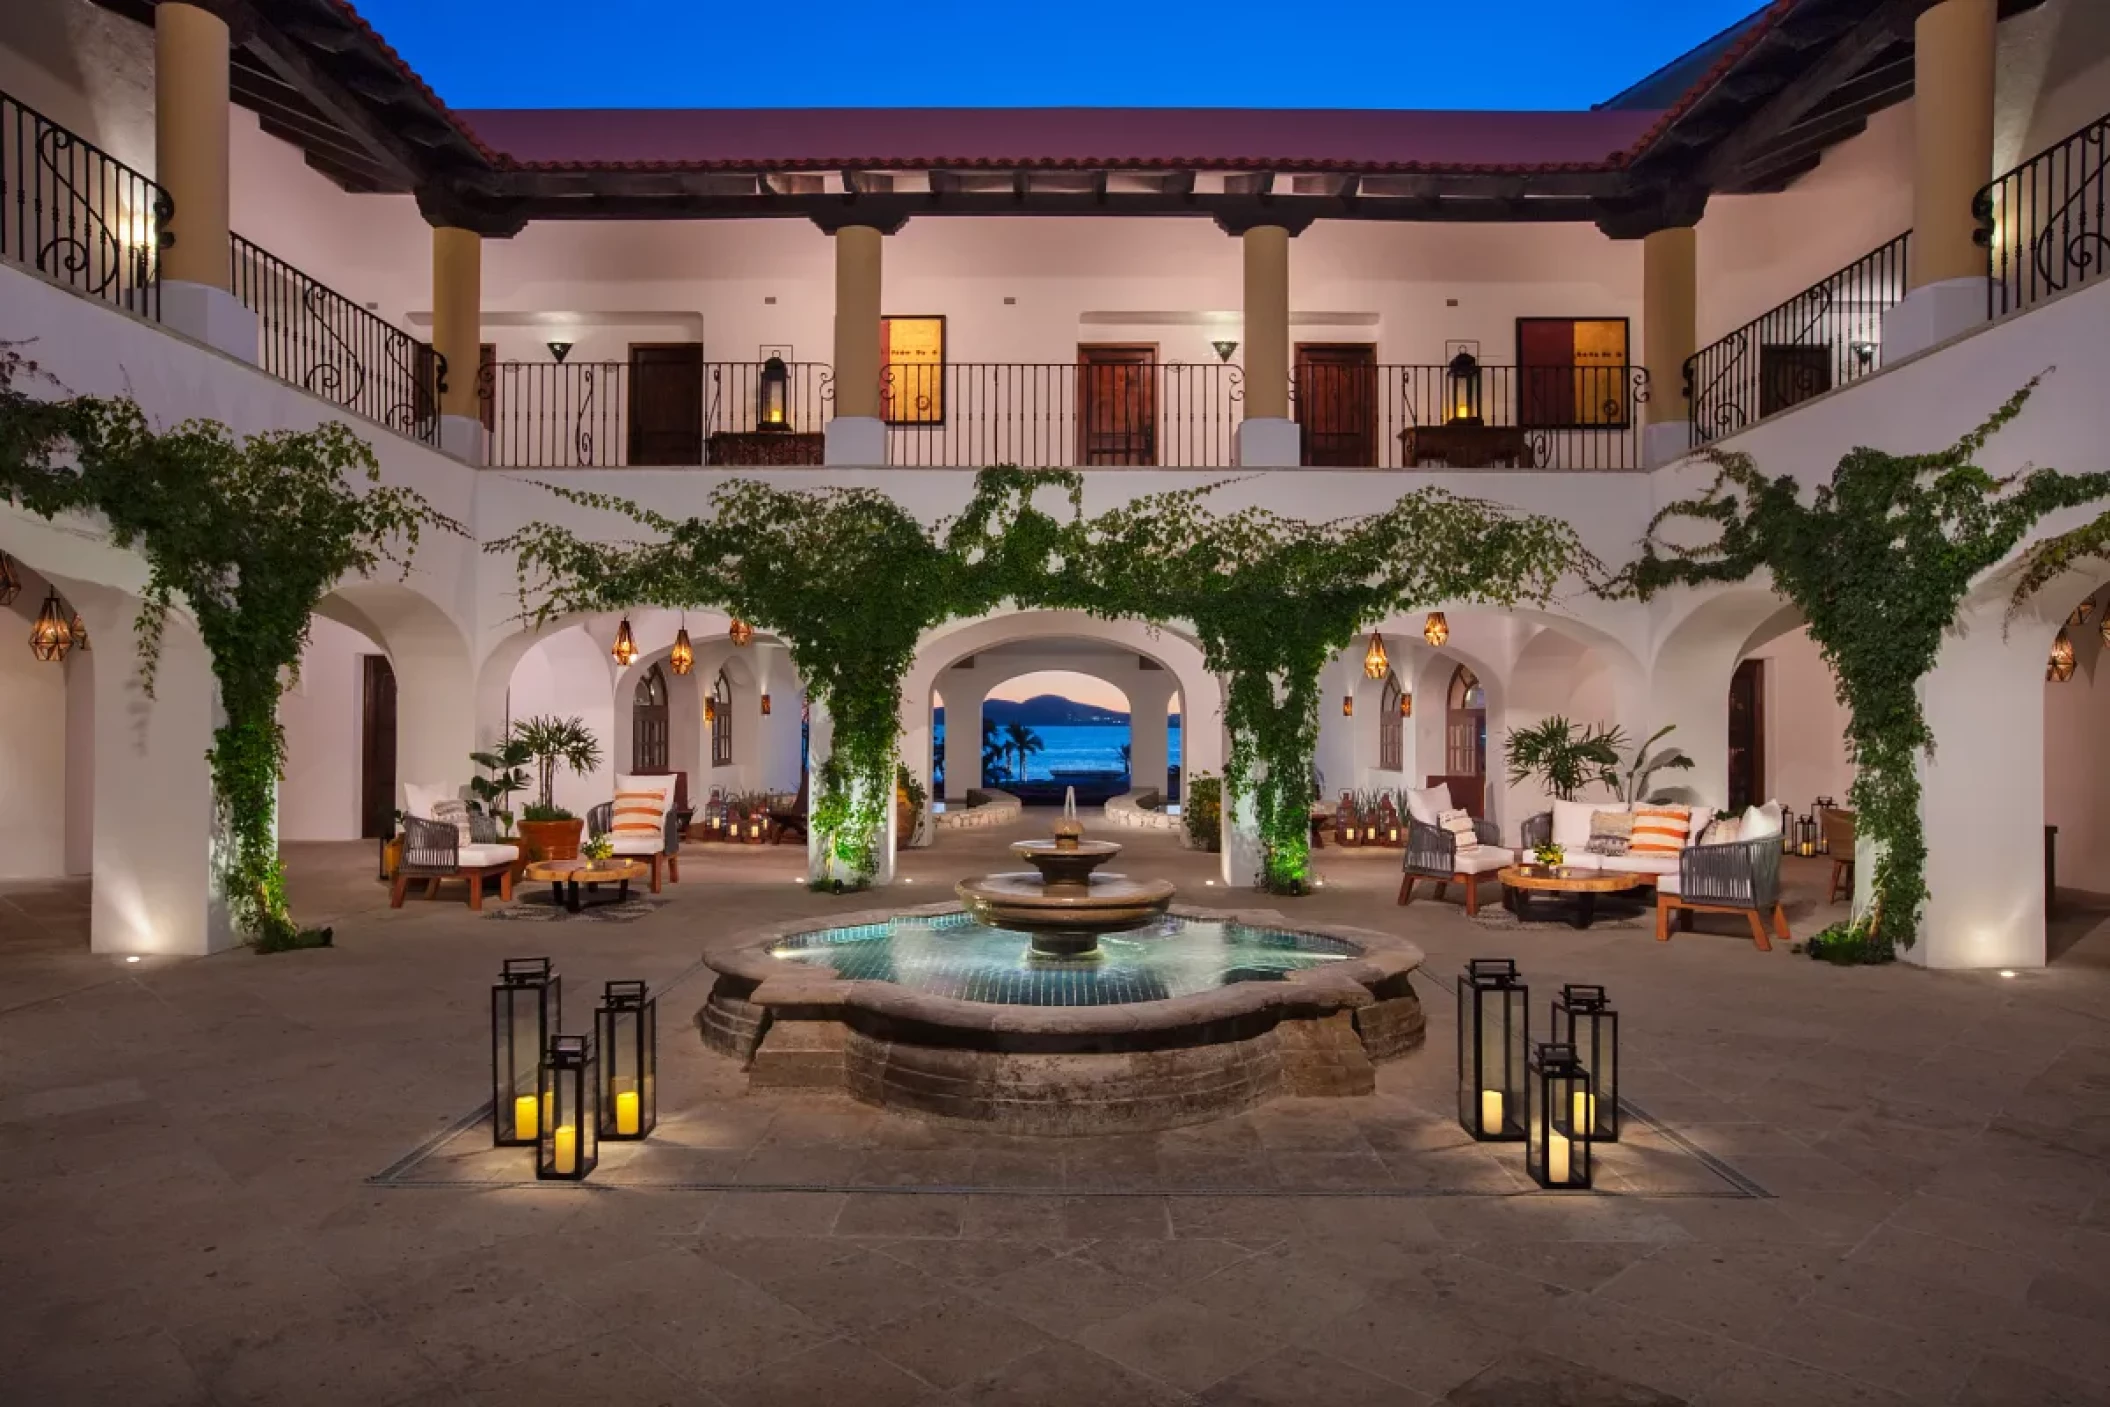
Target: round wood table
{"points": [[1521, 882], [565, 877]]}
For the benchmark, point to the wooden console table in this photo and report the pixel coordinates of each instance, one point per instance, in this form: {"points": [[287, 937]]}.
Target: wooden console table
{"points": [[763, 448], [1465, 445]]}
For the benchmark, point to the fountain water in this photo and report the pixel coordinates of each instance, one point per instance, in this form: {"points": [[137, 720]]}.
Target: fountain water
{"points": [[1065, 907]]}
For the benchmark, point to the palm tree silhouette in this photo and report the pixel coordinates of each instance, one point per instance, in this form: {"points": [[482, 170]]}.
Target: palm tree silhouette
{"points": [[1127, 762], [1024, 742], [993, 752]]}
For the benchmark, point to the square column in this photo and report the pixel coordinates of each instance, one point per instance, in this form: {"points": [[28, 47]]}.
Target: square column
{"points": [[1669, 338], [190, 163], [857, 435], [1267, 437], [1953, 69], [457, 336]]}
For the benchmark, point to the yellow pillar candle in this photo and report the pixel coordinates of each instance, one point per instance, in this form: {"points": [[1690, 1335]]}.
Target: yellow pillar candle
{"points": [[1556, 1157], [626, 1112], [1490, 1111], [564, 1155], [1585, 1116], [525, 1123]]}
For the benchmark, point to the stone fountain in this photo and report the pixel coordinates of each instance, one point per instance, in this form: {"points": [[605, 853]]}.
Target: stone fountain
{"points": [[1065, 907]]}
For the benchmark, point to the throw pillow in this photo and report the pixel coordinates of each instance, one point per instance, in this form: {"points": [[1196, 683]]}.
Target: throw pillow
{"points": [[1571, 821], [639, 813], [1660, 830], [1611, 833], [1427, 804], [1725, 831], [1460, 825], [1761, 821], [454, 812]]}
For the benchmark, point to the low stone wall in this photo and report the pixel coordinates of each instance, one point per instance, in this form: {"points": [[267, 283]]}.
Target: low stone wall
{"points": [[1001, 809], [1129, 811]]}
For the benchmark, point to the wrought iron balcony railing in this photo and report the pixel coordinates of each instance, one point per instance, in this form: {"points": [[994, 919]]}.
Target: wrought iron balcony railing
{"points": [[675, 412], [1825, 336], [312, 336], [78, 215], [2046, 224], [1568, 416], [1063, 415]]}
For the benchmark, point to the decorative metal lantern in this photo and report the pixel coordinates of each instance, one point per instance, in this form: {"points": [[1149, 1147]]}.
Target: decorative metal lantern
{"points": [[2082, 612], [1824, 839], [1558, 1153], [765, 705], [773, 396], [80, 632], [1462, 382], [626, 1030], [1406, 704], [559, 350], [1224, 347], [2060, 669], [625, 650], [570, 1145], [682, 658], [710, 709], [714, 813], [1347, 705], [1808, 827], [1375, 665], [1494, 1030], [1436, 629], [527, 1006], [740, 633], [11, 584], [52, 635], [1583, 1020]]}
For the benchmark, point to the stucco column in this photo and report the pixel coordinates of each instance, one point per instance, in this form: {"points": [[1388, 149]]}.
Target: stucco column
{"points": [[1953, 67], [857, 435], [1267, 438], [190, 163], [1149, 739], [963, 735], [1669, 336], [457, 335]]}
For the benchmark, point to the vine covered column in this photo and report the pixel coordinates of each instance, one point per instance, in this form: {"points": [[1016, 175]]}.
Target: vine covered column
{"points": [[190, 163], [457, 336], [1952, 128]]}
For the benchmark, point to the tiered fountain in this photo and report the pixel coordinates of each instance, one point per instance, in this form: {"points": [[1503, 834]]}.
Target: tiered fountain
{"points": [[1066, 907]]}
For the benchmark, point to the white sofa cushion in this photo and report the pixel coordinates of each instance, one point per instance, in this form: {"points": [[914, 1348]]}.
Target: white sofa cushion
{"points": [[480, 856], [1571, 821], [1641, 864], [1668, 882], [1426, 804], [1582, 860], [1485, 859], [638, 844], [419, 800]]}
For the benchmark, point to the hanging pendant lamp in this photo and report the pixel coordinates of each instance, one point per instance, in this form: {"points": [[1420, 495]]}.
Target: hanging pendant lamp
{"points": [[2060, 667], [10, 583], [51, 637], [625, 649], [682, 658], [740, 632], [1436, 629], [1375, 665], [80, 632]]}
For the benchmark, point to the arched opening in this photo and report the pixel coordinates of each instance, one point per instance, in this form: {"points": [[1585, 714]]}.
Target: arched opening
{"points": [[1391, 732], [720, 716], [340, 718], [1046, 730], [650, 724], [47, 714], [2077, 781], [1465, 725]]}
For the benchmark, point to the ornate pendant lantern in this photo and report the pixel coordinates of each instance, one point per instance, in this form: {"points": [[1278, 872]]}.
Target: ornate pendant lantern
{"points": [[1436, 629], [740, 633], [773, 396], [570, 1145], [765, 705], [626, 1028], [1347, 705], [1375, 665], [1494, 1027], [80, 632], [1462, 383], [2104, 628], [527, 1006], [682, 658], [710, 709], [1406, 704], [1558, 1153], [1584, 1021], [625, 650], [2060, 669], [52, 636], [11, 584]]}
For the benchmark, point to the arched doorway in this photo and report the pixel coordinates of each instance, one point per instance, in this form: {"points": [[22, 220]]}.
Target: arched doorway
{"points": [[1391, 740], [650, 728], [1465, 733], [721, 721]]}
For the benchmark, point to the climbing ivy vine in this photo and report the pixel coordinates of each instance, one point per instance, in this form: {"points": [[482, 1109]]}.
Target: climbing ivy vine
{"points": [[244, 535], [1879, 561]]}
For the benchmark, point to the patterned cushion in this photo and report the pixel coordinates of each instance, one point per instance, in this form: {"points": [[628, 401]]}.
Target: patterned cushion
{"points": [[454, 812], [1724, 831], [1660, 830], [1611, 832], [640, 813], [1460, 824]]}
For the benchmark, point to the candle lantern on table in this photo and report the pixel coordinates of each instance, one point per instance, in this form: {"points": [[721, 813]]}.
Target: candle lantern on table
{"points": [[1494, 1024], [1824, 841], [571, 1098], [1808, 827], [1583, 1019], [527, 1005], [1558, 1153], [626, 1031], [1462, 388], [714, 816], [773, 396]]}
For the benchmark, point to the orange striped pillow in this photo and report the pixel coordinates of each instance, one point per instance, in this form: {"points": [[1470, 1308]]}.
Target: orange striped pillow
{"points": [[1660, 830], [640, 812]]}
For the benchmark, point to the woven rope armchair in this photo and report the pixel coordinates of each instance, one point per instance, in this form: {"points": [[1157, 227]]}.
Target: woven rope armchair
{"points": [[1432, 854], [433, 851], [1742, 877], [601, 819]]}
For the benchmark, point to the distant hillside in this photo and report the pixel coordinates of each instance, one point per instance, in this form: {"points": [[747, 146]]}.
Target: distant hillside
{"points": [[1051, 711]]}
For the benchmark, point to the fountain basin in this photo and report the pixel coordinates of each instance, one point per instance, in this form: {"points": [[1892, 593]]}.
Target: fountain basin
{"points": [[1064, 918]]}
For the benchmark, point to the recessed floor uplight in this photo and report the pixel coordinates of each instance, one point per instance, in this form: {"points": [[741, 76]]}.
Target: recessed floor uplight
{"points": [[135, 958], [2007, 972], [1210, 882]]}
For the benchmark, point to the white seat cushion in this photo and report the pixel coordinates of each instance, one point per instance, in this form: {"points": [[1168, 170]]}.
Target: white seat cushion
{"points": [[1484, 859], [1571, 821], [479, 856], [1641, 864], [637, 844], [1426, 804]]}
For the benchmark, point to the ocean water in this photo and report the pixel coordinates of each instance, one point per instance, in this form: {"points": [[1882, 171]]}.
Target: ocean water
{"points": [[1083, 749]]}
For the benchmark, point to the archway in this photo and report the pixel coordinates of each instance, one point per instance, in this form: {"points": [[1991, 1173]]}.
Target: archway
{"points": [[47, 742], [2076, 770]]}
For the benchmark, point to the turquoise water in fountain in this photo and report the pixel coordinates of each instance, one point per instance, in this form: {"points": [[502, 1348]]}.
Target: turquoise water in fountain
{"points": [[951, 955]]}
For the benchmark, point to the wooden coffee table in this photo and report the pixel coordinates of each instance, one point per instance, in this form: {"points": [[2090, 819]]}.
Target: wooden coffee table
{"points": [[565, 877], [1520, 883]]}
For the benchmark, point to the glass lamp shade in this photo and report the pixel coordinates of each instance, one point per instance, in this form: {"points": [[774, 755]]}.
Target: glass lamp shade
{"points": [[10, 581], [625, 650], [682, 658], [740, 633], [626, 1030], [2060, 669], [570, 1145], [1494, 1033], [52, 635], [1375, 664], [1583, 1019], [527, 1005], [1436, 629], [1462, 384], [1558, 1152], [773, 396]]}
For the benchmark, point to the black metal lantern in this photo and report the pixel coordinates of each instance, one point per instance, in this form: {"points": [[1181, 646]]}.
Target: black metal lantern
{"points": [[1824, 839], [1558, 1153], [626, 1028], [1808, 827], [570, 1145], [773, 396], [52, 634], [1583, 1019], [10, 584], [527, 1006], [1462, 389], [1494, 1024]]}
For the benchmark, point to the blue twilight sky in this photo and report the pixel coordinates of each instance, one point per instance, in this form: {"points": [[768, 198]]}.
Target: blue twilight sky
{"points": [[945, 53]]}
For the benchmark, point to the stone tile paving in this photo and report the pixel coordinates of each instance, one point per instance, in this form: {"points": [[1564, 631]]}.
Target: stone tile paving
{"points": [[186, 1216]]}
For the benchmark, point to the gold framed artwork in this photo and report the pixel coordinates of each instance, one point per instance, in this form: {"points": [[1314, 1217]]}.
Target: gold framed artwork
{"points": [[912, 370], [1574, 374]]}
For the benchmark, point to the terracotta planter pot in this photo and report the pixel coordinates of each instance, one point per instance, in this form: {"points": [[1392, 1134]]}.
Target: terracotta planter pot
{"points": [[551, 840]]}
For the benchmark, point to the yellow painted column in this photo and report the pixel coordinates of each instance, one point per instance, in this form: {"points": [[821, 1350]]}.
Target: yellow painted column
{"points": [[1266, 322], [857, 302], [1670, 331], [190, 140], [457, 315], [1952, 109]]}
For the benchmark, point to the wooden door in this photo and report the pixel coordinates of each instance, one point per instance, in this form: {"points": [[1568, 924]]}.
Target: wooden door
{"points": [[666, 403], [1747, 735], [1465, 726], [1117, 405], [377, 748], [649, 723], [1337, 404], [1546, 372]]}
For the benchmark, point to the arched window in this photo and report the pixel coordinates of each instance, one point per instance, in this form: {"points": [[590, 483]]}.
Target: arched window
{"points": [[1465, 730], [1390, 745], [721, 721], [648, 723]]}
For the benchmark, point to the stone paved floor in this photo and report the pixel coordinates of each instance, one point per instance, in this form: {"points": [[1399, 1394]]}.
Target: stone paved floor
{"points": [[186, 1216]]}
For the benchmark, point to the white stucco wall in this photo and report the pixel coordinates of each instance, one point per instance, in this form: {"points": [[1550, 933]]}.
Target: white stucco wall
{"points": [[318, 798], [1805, 724]]}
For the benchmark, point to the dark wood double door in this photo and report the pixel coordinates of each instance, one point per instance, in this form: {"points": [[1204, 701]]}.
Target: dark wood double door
{"points": [[1117, 405], [1336, 403]]}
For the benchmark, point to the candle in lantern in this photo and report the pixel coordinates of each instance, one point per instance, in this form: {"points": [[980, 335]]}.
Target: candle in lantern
{"points": [[564, 1155], [1585, 1119], [1490, 1111], [626, 1112], [1556, 1157], [525, 1124]]}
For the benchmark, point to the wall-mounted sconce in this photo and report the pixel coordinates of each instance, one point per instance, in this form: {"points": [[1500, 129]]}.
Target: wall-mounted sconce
{"points": [[1224, 349], [559, 350], [1864, 353]]}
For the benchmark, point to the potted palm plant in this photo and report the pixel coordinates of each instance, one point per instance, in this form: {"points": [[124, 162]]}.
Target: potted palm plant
{"points": [[548, 830], [1566, 756], [506, 761]]}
